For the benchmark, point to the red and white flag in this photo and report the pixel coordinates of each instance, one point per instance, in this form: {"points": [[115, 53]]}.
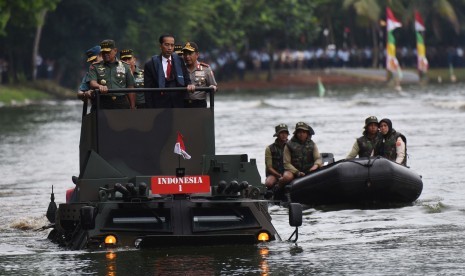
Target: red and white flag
{"points": [[179, 147], [419, 25], [392, 22]]}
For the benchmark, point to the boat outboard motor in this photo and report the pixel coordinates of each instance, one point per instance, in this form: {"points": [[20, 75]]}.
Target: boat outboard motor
{"points": [[52, 208]]}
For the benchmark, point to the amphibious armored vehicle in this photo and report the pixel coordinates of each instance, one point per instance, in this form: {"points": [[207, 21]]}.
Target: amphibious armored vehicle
{"points": [[133, 190]]}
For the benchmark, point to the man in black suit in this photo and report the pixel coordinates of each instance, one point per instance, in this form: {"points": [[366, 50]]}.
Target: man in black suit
{"points": [[166, 70]]}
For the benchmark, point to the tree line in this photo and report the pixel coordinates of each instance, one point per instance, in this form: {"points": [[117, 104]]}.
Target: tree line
{"points": [[61, 31]]}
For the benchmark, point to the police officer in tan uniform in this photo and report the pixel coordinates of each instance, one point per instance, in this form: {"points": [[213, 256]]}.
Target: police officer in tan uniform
{"points": [[112, 73], [201, 76], [127, 55]]}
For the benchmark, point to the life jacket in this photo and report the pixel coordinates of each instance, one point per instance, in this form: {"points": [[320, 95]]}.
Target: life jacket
{"points": [[367, 145], [388, 149], [277, 157], [301, 154]]}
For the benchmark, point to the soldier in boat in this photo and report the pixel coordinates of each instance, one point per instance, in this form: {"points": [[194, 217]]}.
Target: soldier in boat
{"points": [[367, 145], [274, 157]]}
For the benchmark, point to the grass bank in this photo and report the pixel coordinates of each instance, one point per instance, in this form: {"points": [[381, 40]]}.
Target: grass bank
{"points": [[13, 94], [283, 79], [32, 92]]}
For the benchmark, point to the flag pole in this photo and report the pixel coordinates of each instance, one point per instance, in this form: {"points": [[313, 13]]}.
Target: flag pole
{"points": [[180, 150], [180, 172], [422, 61], [392, 64]]}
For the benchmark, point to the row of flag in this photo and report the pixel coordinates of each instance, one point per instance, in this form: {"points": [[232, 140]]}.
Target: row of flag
{"points": [[392, 64]]}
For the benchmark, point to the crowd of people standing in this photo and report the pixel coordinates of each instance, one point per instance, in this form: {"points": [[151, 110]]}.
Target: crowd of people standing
{"points": [[227, 63]]}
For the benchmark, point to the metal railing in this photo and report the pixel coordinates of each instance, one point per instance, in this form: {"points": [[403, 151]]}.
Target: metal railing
{"points": [[97, 93]]}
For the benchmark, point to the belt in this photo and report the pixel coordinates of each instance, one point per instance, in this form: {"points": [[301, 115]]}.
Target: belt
{"points": [[114, 99], [110, 102]]}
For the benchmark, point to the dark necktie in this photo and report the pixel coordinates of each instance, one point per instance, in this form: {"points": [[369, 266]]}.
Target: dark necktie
{"points": [[168, 69]]}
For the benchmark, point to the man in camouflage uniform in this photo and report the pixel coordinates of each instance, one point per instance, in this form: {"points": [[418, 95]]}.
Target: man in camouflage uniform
{"points": [[274, 156], [301, 155], [368, 144], [127, 55], [112, 73], [200, 75]]}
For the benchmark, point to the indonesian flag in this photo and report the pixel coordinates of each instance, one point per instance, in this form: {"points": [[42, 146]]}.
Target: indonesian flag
{"points": [[422, 62], [391, 61], [392, 22], [179, 147], [419, 25]]}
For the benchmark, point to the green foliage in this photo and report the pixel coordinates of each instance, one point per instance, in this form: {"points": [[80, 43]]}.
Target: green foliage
{"points": [[368, 11], [26, 12], [73, 26], [11, 94]]}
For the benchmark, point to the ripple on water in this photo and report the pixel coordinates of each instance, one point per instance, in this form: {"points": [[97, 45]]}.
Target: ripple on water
{"points": [[39, 148]]}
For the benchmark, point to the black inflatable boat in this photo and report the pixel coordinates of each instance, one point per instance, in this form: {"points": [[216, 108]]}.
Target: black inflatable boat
{"points": [[374, 179]]}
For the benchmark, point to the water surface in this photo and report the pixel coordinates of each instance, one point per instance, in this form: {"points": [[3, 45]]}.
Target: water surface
{"points": [[39, 148]]}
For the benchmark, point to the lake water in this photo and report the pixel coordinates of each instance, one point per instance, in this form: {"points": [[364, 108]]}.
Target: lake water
{"points": [[39, 148]]}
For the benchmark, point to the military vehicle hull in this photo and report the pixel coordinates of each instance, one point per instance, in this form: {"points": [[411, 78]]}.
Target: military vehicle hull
{"points": [[162, 222], [133, 190]]}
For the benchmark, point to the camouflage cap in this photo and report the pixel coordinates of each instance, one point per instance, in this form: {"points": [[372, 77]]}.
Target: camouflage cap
{"points": [[304, 126], [371, 119], [280, 128]]}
